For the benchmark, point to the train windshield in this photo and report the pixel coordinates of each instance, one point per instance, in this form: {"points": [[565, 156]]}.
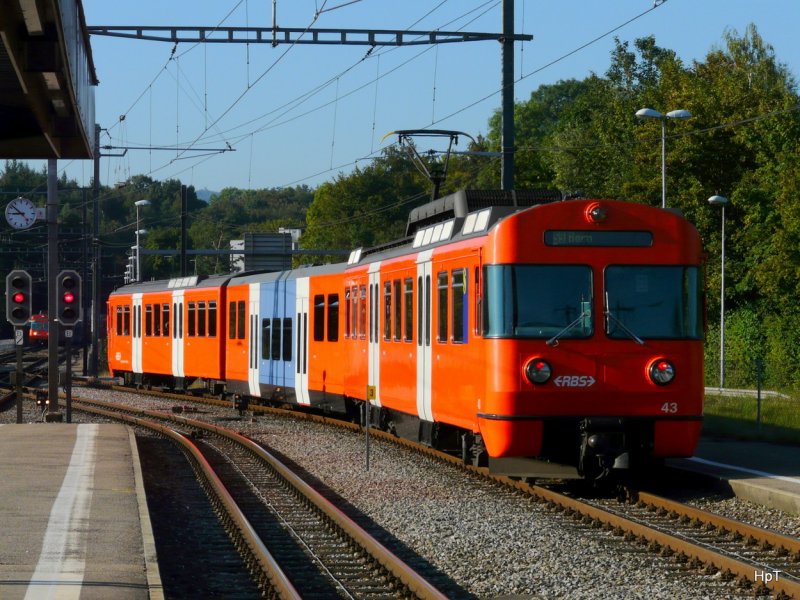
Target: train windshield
{"points": [[656, 302], [538, 301]]}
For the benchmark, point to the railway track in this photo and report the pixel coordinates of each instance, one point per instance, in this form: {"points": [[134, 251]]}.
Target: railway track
{"points": [[761, 560], [318, 551]]}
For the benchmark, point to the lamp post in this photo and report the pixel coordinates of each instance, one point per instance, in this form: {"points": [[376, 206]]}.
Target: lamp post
{"points": [[721, 201], [138, 204], [649, 113]]}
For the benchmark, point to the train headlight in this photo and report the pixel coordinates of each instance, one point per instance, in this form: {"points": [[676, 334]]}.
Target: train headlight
{"points": [[661, 371], [538, 371]]}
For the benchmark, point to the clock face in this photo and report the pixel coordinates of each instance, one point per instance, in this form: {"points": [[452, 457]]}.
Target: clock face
{"points": [[20, 213]]}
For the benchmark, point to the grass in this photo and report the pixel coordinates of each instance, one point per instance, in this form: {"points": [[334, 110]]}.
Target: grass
{"points": [[732, 416]]}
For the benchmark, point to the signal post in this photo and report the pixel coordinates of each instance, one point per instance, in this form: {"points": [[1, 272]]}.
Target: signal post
{"points": [[18, 313], [69, 312]]}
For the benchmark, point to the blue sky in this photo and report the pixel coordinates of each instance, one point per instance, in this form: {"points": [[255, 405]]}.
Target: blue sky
{"points": [[215, 95]]}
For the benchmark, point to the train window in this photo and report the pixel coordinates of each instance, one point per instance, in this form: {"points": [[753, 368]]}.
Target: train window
{"points": [[373, 312], [398, 324], [118, 319], [240, 318], [387, 310], [148, 320], [191, 330], [441, 315], [478, 313], [232, 321], [459, 300], [362, 312], [319, 317], [276, 339], [347, 312], [376, 311], [174, 320], [353, 313], [428, 310], [201, 319], [538, 301], [409, 310], [126, 320], [156, 319], [333, 317], [212, 318], [180, 320], [419, 311], [165, 320], [287, 339], [654, 302], [265, 338]]}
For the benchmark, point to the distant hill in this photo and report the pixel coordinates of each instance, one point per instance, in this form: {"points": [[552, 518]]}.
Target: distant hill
{"points": [[205, 194]]}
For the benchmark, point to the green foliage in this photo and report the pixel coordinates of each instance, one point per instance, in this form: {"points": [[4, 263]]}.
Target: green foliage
{"points": [[366, 208]]}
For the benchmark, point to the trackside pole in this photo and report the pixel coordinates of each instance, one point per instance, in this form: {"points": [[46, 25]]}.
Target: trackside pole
{"points": [[68, 372], [19, 336], [370, 397]]}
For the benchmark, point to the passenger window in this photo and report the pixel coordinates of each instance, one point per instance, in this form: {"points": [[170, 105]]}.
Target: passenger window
{"points": [[333, 317], [387, 310], [459, 299], [441, 285], [231, 321], [347, 312], [265, 338], [287, 339], [192, 319], [126, 326], [398, 325], [165, 320], [148, 320], [353, 312], [362, 312], [201, 319], [157, 319], [240, 320], [118, 319], [319, 318], [276, 339], [212, 318], [409, 310]]}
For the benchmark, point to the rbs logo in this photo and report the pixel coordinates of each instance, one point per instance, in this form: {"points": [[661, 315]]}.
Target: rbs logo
{"points": [[579, 381]]}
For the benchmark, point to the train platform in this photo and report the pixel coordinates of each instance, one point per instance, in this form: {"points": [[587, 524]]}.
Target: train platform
{"points": [[74, 514], [763, 473]]}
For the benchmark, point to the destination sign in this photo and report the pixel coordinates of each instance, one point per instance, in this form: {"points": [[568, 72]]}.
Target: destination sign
{"points": [[627, 239]]}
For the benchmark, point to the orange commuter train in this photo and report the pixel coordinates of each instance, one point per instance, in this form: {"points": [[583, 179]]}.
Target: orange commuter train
{"points": [[536, 336]]}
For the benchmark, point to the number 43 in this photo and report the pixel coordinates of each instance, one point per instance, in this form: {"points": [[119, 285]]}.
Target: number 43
{"points": [[669, 407]]}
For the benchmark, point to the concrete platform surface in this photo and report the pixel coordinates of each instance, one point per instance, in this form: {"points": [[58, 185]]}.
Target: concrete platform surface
{"points": [[767, 474], [73, 513]]}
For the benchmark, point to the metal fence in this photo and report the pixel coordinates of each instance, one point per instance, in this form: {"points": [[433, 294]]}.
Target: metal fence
{"points": [[754, 398]]}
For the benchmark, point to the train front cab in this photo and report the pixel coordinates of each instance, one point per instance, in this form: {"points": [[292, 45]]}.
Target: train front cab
{"points": [[594, 329]]}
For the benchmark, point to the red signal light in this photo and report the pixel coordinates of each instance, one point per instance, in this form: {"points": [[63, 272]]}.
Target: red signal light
{"points": [[19, 297], [69, 297]]}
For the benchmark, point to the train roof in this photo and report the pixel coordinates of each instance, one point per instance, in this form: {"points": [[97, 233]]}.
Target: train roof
{"points": [[177, 283], [302, 271], [461, 215]]}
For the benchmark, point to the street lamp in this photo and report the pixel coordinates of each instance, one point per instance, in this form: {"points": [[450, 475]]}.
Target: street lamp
{"points": [[721, 201], [138, 204], [649, 113]]}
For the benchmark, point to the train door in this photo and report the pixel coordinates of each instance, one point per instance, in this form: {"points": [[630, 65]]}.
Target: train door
{"points": [[424, 352], [136, 334], [254, 346], [301, 355], [177, 334], [374, 351]]}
